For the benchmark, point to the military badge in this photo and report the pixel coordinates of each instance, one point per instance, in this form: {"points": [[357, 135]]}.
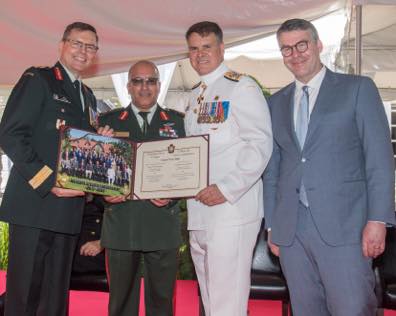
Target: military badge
{"points": [[168, 131], [60, 98]]}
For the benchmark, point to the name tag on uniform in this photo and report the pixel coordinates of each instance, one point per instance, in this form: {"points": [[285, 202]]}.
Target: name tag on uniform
{"points": [[60, 98]]}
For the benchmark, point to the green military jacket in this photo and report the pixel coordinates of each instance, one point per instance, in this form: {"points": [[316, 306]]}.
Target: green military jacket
{"points": [[43, 100], [140, 225]]}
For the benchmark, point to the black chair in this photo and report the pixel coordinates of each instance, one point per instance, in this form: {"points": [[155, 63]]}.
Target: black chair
{"points": [[267, 281], [94, 281], [385, 274]]}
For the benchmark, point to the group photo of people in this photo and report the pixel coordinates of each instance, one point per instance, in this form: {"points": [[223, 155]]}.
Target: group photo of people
{"points": [[301, 179], [87, 156]]}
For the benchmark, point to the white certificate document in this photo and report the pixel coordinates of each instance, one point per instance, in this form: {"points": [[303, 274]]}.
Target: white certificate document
{"points": [[173, 168]]}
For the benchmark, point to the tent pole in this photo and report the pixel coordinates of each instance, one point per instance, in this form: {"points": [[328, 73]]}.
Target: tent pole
{"points": [[358, 40]]}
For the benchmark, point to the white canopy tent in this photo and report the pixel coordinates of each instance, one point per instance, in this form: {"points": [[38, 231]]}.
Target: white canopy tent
{"points": [[130, 30], [378, 45]]}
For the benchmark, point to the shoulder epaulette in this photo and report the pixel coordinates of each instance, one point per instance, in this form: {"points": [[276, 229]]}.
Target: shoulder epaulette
{"points": [[233, 75], [42, 68], [178, 113], [32, 70], [116, 110], [196, 85]]}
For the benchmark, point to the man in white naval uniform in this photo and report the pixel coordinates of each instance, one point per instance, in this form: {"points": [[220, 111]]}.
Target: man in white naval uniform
{"points": [[224, 218]]}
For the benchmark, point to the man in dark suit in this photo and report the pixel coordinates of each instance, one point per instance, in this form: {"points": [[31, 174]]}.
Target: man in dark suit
{"points": [[44, 219], [329, 186], [133, 230], [89, 256]]}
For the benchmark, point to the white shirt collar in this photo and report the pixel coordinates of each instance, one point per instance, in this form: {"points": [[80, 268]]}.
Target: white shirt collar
{"points": [[215, 74], [315, 82], [151, 111]]}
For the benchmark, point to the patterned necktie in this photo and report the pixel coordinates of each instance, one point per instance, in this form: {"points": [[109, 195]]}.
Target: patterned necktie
{"points": [[145, 122], [301, 131]]}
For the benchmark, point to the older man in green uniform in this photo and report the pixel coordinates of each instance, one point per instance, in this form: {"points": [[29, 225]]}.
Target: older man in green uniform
{"points": [[44, 220], [136, 229]]}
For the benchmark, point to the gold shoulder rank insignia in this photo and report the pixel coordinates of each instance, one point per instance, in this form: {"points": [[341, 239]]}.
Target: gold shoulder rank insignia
{"points": [[28, 73], [196, 85], [233, 75]]}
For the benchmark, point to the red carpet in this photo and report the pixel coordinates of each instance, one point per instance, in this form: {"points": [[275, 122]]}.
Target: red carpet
{"points": [[95, 303]]}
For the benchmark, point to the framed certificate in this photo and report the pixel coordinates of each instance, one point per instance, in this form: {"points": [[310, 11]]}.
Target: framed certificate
{"points": [[170, 168]]}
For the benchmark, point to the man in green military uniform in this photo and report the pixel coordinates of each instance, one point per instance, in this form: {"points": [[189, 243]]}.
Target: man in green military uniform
{"points": [[136, 229], [44, 220]]}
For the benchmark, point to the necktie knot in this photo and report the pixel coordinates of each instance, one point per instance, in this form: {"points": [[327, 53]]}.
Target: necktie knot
{"points": [[77, 84]]}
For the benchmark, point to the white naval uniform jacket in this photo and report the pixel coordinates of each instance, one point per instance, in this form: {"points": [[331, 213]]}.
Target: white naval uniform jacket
{"points": [[240, 148]]}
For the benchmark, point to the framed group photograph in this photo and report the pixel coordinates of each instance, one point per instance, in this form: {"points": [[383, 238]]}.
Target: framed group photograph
{"points": [[93, 163], [169, 168]]}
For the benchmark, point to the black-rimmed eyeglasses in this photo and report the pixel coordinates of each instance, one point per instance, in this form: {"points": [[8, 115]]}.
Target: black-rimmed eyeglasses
{"points": [[301, 47], [150, 81], [90, 48]]}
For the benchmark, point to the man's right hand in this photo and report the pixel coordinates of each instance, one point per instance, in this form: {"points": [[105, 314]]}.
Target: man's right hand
{"points": [[61, 192], [274, 248], [115, 199]]}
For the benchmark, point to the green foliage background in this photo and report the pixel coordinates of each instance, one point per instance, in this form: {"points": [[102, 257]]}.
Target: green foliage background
{"points": [[3, 245]]}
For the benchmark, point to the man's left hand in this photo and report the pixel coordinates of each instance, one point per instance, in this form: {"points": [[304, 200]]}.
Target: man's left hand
{"points": [[106, 131], [210, 196], [373, 239]]}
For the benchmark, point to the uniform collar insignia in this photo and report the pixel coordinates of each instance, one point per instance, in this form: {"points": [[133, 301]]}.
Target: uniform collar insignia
{"points": [[58, 73], [164, 116], [123, 115]]}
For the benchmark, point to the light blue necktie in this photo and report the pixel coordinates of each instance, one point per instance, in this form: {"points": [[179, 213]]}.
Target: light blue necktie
{"points": [[301, 131]]}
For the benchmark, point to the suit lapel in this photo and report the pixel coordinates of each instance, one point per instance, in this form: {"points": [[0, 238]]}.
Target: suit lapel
{"points": [[322, 105], [289, 113]]}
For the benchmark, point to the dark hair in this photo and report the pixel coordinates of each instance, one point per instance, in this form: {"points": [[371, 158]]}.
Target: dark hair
{"points": [[81, 26], [204, 28], [298, 24]]}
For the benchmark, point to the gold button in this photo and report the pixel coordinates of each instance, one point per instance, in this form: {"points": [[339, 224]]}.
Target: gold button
{"points": [[93, 233], [97, 220]]}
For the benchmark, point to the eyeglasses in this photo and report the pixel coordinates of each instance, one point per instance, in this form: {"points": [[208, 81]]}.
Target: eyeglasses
{"points": [[150, 81], [90, 48], [301, 47]]}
